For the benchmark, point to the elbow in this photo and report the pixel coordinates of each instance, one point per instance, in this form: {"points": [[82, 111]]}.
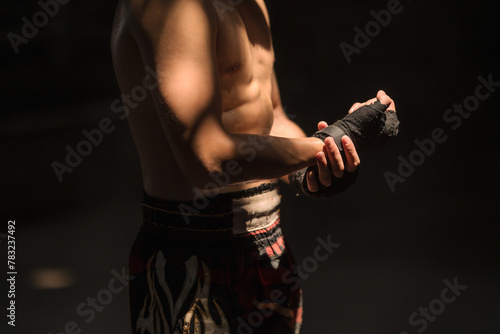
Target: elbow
{"points": [[216, 175], [204, 152], [213, 167], [203, 175]]}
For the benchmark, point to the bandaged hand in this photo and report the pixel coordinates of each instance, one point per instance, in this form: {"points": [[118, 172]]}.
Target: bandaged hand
{"points": [[367, 124]]}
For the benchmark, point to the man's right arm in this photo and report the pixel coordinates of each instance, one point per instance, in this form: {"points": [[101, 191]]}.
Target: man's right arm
{"points": [[177, 38]]}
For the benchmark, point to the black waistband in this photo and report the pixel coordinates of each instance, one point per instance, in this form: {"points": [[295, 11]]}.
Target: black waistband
{"points": [[203, 212]]}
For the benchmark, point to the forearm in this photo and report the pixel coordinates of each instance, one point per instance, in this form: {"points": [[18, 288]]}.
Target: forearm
{"points": [[265, 157], [284, 127], [247, 157]]}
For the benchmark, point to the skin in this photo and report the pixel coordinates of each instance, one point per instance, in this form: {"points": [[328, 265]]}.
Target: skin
{"points": [[217, 93]]}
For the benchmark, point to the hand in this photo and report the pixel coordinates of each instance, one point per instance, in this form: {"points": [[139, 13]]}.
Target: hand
{"points": [[330, 161], [381, 96]]}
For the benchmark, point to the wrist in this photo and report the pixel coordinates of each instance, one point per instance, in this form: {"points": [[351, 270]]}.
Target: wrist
{"points": [[317, 145]]}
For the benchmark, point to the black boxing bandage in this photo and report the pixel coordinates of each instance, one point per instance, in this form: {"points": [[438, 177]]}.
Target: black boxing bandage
{"points": [[370, 125]]}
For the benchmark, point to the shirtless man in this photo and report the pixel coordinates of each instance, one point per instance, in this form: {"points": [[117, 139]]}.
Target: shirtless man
{"points": [[213, 259]]}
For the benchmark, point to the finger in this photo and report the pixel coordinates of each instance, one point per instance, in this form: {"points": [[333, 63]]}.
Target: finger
{"points": [[334, 157], [354, 107], [325, 178], [352, 158], [322, 125], [392, 106], [370, 101], [312, 185], [384, 98], [359, 105]]}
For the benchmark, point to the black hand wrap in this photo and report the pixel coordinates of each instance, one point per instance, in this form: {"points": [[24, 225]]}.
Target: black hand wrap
{"points": [[370, 125]]}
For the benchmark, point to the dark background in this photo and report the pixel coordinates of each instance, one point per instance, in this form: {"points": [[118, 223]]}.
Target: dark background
{"points": [[397, 247]]}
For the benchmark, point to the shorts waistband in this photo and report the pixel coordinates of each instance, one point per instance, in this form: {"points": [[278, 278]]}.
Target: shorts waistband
{"points": [[240, 212]]}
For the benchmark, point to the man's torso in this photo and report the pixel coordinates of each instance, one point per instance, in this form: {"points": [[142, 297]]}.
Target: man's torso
{"points": [[245, 59]]}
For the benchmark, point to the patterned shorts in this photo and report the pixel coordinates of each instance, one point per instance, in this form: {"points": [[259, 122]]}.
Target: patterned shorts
{"points": [[215, 265]]}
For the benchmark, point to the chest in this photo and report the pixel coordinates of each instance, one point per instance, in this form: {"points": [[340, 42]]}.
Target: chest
{"points": [[244, 44]]}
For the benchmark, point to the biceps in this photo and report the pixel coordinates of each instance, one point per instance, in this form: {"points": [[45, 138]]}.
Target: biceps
{"points": [[180, 43], [192, 117], [190, 94]]}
